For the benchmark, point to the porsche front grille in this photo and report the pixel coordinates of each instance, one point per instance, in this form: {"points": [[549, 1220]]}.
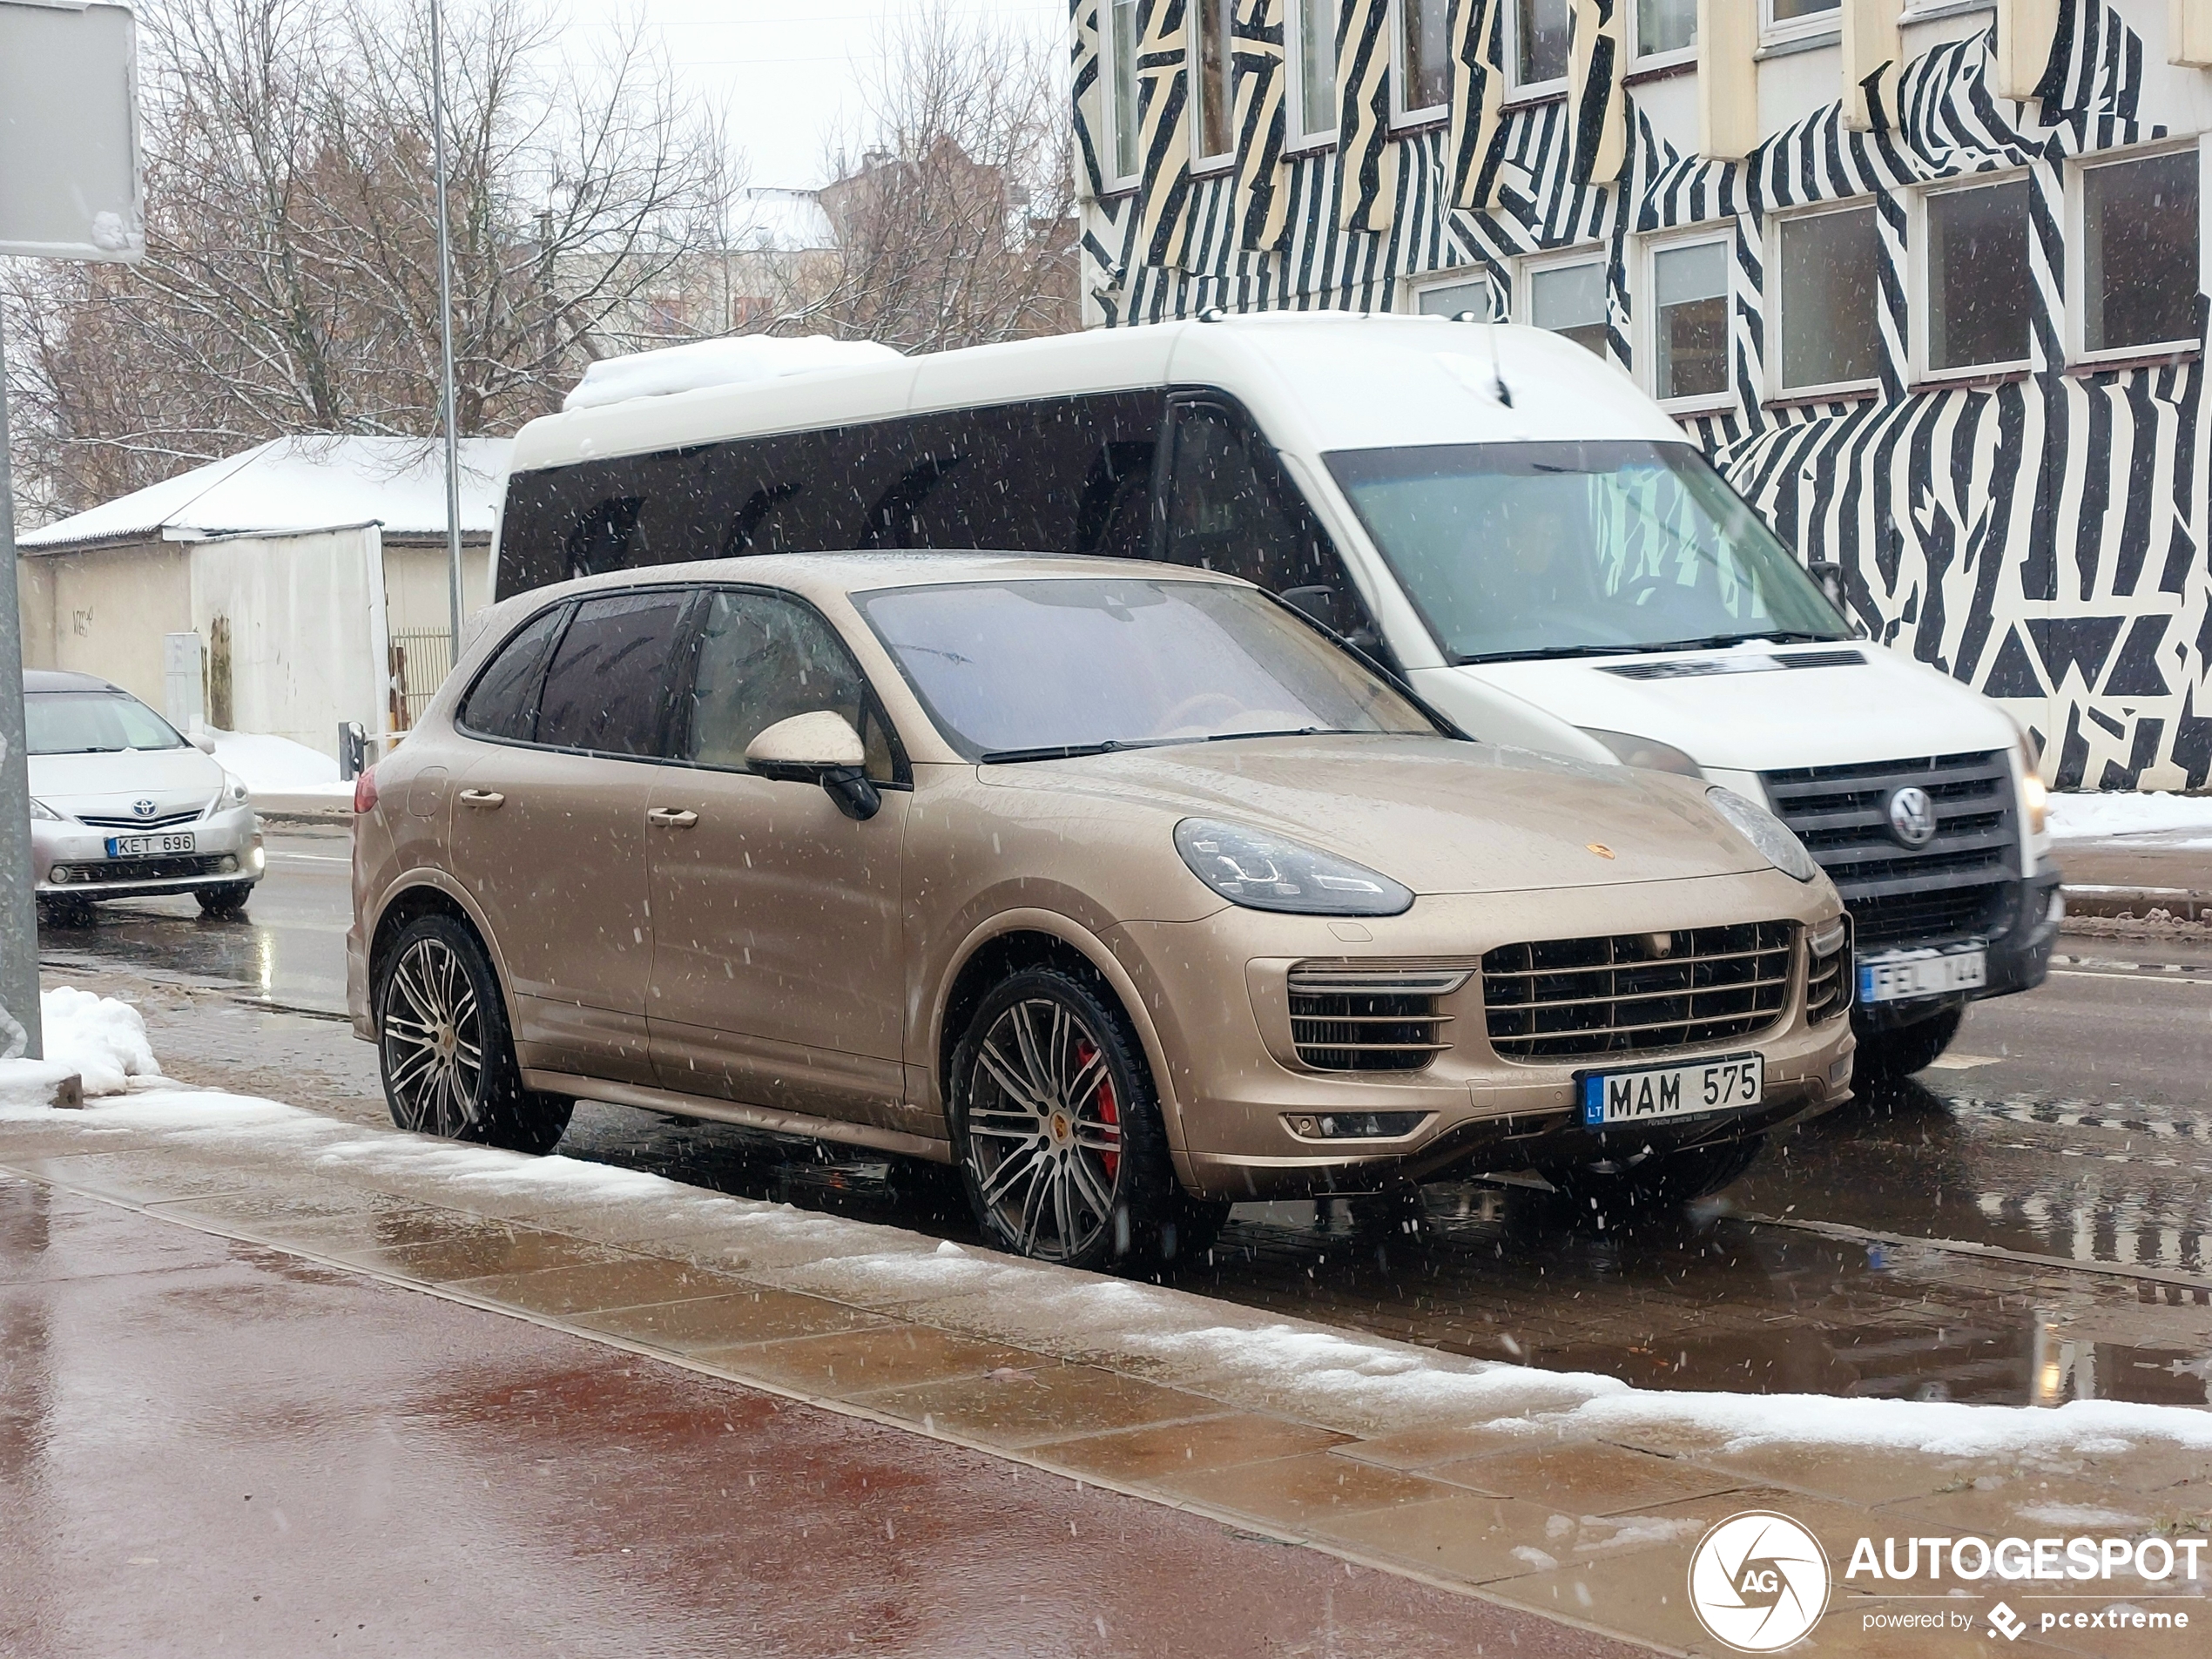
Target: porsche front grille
{"points": [[1370, 1018], [1559, 999]]}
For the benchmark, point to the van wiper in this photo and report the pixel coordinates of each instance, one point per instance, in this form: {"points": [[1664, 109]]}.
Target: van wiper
{"points": [[1543, 653], [1068, 750], [1714, 642]]}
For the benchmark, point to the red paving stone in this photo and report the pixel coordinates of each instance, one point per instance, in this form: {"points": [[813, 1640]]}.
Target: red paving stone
{"points": [[209, 1446]]}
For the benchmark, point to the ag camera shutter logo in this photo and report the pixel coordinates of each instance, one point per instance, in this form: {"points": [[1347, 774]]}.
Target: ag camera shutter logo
{"points": [[1758, 1582]]}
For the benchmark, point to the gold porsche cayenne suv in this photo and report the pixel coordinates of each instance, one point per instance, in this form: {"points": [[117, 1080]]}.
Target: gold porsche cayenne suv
{"points": [[1123, 889]]}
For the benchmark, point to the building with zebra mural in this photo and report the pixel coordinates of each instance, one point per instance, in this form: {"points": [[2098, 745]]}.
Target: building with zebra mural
{"points": [[1923, 276]]}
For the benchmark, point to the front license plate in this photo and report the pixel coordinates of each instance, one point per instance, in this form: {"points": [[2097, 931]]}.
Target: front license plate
{"points": [[139, 846], [1899, 977], [1673, 1091]]}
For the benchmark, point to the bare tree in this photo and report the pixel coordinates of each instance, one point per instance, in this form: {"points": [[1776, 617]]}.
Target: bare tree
{"points": [[954, 208], [291, 284]]}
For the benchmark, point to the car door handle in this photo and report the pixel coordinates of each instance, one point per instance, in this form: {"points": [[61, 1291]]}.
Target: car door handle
{"points": [[483, 799], [671, 816]]}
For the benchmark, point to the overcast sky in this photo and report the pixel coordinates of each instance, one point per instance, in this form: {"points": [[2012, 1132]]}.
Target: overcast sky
{"points": [[786, 71]]}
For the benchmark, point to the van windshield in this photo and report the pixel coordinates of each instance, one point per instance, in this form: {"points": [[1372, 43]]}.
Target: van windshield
{"points": [[1039, 669], [1567, 549]]}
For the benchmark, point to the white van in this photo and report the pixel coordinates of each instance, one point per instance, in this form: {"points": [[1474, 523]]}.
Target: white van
{"points": [[1494, 513]]}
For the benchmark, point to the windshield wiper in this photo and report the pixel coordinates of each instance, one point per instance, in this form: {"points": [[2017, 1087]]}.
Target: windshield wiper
{"points": [[1714, 642], [1541, 653], [1286, 732], [1069, 750]]}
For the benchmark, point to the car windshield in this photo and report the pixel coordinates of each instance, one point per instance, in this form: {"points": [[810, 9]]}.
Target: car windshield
{"points": [[1032, 670], [92, 723], [1564, 549]]}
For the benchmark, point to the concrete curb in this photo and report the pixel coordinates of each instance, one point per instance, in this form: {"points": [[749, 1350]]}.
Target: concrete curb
{"points": [[2180, 904]]}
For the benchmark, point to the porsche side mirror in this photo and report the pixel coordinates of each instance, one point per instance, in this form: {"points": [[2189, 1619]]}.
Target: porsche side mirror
{"points": [[818, 748]]}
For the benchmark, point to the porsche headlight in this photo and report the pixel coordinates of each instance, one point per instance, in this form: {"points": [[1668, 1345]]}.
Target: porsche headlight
{"points": [[1265, 871], [40, 810], [1766, 832]]}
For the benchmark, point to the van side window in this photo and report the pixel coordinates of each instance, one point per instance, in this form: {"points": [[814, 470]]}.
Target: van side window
{"points": [[606, 689], [1230, 509], [763, 658], [503, 701]]}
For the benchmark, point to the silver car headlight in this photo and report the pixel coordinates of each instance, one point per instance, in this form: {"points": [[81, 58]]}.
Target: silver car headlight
{"points": [[1766, 832], [234, 791], [1263, 872], [40, 810]]}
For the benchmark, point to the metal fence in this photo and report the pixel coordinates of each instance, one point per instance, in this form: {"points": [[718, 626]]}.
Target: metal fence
{"points": [[420, 661]]}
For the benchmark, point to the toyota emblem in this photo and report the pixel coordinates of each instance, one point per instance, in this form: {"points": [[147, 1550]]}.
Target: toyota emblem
{"points": [[143, 808], [1912, 817]]}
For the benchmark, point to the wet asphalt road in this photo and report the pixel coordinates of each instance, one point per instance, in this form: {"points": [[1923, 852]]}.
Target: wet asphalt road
{"points": [[2026, 1222]]}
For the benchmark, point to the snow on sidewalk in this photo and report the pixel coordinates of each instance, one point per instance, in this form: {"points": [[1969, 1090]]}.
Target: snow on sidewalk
{"points": [[2089, 816], [279, 774], [100, 1039], [1301, 1369]]}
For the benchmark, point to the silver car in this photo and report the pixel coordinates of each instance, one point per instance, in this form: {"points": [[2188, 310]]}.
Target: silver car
{"points": [[123, 805]]}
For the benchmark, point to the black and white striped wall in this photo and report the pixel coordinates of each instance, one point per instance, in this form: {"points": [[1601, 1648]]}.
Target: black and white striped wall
{"points": [[2041, 534]]}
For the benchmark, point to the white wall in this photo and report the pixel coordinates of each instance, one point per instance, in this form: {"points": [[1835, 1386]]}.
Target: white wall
{"points": [[107, 610], [303, 651]]}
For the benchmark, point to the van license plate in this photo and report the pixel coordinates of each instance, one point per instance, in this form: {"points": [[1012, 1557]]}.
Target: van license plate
{"points": [[137, 846], [1899, 976], [1721, 1085]]}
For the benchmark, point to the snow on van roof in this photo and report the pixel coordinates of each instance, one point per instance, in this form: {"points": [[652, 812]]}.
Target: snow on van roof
{"points": [[702, 363]]}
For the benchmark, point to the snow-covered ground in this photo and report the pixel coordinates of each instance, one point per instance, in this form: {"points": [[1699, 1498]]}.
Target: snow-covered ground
{"points": [[2096, 816], [282, 774], [1359, 1384], [101, 1039]]}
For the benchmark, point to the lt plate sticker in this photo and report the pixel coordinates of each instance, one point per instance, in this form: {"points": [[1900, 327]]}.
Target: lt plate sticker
{"points": [[1673, 1091]]}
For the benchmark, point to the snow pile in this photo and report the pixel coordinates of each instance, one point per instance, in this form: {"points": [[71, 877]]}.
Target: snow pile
{"points": [[278, 773], [2095, 816], [100, 1039], [718, 362]]}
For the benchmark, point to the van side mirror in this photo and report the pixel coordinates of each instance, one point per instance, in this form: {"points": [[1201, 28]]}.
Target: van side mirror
{"points": [[818, 748], [1316, 602], [1830, 575]]}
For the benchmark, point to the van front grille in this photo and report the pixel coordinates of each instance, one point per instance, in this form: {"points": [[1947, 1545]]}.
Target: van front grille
{"points": [[1370, 1018], [1560, 998]]}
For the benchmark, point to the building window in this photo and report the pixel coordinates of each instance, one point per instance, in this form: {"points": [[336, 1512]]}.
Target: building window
{"points": [[1665, 28], [1826, 300], [1313, 71], [1787, 19], [1212, 59], [2138, 269], [1567, 298], [1537, 44], [1454, 298], [1420, 60], [1976, 291], [1117, 71], [1690, 290]]}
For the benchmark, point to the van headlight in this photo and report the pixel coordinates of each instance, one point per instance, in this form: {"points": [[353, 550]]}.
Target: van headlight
{"points": [[1766, 832], [2035, 794], [1648, 753], [1263, 872]]}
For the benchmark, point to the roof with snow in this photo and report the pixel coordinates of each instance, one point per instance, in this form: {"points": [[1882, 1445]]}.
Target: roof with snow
{"points": [[290, 486], [774, 219]]}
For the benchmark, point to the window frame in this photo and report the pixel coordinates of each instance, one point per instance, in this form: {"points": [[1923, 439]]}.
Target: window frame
{"points": [[1194, 68], [1919, 287], [1110, 111], [687, 618], [1300, 135], [1518, 90], [1775, 31], [1647, 316], [1455, 276], [1526, 270], [1401, 117], [1640, 60], [1778, 320], [2076, 321]]}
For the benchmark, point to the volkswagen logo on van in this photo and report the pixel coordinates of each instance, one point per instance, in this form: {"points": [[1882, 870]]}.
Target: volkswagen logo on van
{"points": [[1912, 817]]}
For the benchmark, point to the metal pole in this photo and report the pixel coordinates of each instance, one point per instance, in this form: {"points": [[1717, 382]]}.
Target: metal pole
{"points": [[445, 324], [18, 908]]}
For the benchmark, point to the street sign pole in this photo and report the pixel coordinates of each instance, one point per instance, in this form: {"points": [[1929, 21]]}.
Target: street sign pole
{"points": [[445, 326], [69, 190], [18, 905]]}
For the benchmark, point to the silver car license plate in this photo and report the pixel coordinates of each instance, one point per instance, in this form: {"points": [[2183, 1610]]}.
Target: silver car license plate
{"points": [[1727, 1085], [139, 846], [1897, 976]]}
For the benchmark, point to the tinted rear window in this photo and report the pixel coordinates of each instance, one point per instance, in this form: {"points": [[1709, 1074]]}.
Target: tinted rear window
{"points": [[607, 686], [503, 701]]}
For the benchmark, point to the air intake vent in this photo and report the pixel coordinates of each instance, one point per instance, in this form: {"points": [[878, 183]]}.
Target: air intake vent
{"points": [[1691, 668], [1847, 657], [1829, 988], [1368, 1018], [1634, 993]]}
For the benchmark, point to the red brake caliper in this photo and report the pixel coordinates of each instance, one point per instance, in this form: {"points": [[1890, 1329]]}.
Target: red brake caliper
{"points": [[1108, 1111]]}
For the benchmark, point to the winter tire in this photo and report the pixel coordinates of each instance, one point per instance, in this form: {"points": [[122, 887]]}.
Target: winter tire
{"points": [[1890, 1056], [444, 1047], [229, 899], [1058, 1134], [1615, 1195]]}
